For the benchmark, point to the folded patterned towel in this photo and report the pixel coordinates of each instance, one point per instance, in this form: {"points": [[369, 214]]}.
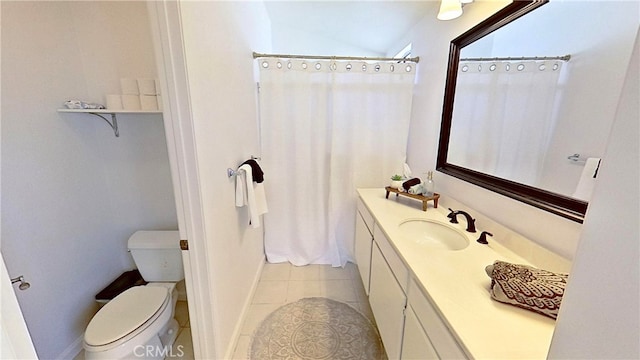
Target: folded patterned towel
{"points": [[409, 183], [527, 287]]}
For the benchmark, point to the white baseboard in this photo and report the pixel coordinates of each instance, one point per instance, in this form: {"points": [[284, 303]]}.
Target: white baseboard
{"points": [[245, 309], [72, 350]]}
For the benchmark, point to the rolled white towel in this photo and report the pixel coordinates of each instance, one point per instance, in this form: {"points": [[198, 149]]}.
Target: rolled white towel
{"points": [[416, 189]]}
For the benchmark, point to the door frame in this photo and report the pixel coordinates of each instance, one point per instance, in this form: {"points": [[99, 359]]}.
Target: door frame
{"points": [[15, 341], [166, 29]]}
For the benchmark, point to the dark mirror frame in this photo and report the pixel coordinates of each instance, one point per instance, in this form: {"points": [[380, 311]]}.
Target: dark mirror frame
{"points": [[562, 205]]}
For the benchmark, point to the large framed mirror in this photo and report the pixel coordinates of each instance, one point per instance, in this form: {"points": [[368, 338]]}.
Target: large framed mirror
{"points": [[530, 97]]}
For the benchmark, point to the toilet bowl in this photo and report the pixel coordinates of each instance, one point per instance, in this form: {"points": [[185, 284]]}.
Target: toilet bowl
{"points": [[139, 323]]}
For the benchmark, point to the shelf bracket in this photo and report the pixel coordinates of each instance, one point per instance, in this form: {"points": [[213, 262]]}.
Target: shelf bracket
{"points": [[113, 123]]}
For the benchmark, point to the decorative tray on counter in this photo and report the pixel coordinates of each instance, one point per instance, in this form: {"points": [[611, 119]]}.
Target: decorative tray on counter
{"points": [[425, 199]]}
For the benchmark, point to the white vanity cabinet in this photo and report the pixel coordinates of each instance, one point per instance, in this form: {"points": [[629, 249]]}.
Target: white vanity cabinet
{"points": [[396, 265], [431, 303], [388, 301], [436, 330], [430, 334], [363, 242], [408, 324], [387, 293], [416, 344]]}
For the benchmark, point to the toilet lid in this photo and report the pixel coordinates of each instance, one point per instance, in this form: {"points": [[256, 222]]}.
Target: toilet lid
{"points": [[125, 313]]}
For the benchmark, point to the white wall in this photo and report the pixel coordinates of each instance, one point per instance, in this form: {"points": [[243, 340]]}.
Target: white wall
{"points": [[219, 38], [600, 314], [72, 192], [287, 40]]}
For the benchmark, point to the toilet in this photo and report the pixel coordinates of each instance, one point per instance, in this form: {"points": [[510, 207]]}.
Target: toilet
{"points": [[139, 323]]}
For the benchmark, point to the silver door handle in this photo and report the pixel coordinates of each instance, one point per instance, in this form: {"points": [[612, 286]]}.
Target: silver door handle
{"points": [[23, 284]]}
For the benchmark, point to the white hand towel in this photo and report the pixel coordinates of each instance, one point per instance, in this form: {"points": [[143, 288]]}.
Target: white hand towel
{"points": [[241, 184], [261, 198], [251, 194], [587, 179]]}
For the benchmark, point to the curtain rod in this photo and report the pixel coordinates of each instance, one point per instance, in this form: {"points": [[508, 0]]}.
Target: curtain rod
{"points": [[319, 57], [563, 58]]}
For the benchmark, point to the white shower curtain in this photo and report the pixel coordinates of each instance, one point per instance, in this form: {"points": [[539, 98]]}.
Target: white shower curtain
{"points": [[327, 127], [504, 116]]}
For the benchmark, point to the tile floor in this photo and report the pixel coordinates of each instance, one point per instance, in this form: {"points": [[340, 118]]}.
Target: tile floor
{"points": [[284, 283], [183, 345], [281, 284]]}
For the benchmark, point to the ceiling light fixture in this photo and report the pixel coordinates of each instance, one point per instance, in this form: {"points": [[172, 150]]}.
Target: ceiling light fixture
{"points": [[451, 9]]}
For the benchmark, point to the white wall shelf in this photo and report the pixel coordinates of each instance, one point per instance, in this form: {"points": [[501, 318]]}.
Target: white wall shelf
{"points": [[114, 121]]}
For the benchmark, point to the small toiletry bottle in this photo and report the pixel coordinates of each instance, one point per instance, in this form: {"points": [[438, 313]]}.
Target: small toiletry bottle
{"points": [[429, 185]]}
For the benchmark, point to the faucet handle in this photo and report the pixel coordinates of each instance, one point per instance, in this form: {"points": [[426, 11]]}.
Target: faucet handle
{"points": [[483, 237], [453, 216]]}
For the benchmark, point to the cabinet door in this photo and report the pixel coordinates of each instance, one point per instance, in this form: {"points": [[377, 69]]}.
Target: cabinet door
{"points": [[439, 334], [399, 270], [363, 242], [387, 303], [415, 342]]}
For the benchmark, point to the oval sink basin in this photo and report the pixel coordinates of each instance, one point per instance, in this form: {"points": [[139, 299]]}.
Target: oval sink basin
{"points": [[434, 234]]}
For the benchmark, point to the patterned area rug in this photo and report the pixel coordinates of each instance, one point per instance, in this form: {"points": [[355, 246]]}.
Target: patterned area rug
{"points": [[316, 328]]}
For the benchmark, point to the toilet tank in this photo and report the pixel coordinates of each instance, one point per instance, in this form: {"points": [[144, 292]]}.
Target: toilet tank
{"points": [[157, 255]]}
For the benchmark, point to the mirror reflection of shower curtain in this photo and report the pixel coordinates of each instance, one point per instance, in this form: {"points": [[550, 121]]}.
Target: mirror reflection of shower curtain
{"points": [[323, 134], [503, 119]]}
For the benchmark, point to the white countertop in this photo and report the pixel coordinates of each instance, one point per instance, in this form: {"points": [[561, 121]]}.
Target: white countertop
{"points": [[458, 286]]}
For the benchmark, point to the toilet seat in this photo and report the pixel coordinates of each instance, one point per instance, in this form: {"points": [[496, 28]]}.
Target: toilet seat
{"points": [[126, 316]]}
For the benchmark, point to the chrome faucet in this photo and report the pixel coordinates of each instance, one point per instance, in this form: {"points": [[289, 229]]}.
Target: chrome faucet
{"points": [[471, 222]]}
